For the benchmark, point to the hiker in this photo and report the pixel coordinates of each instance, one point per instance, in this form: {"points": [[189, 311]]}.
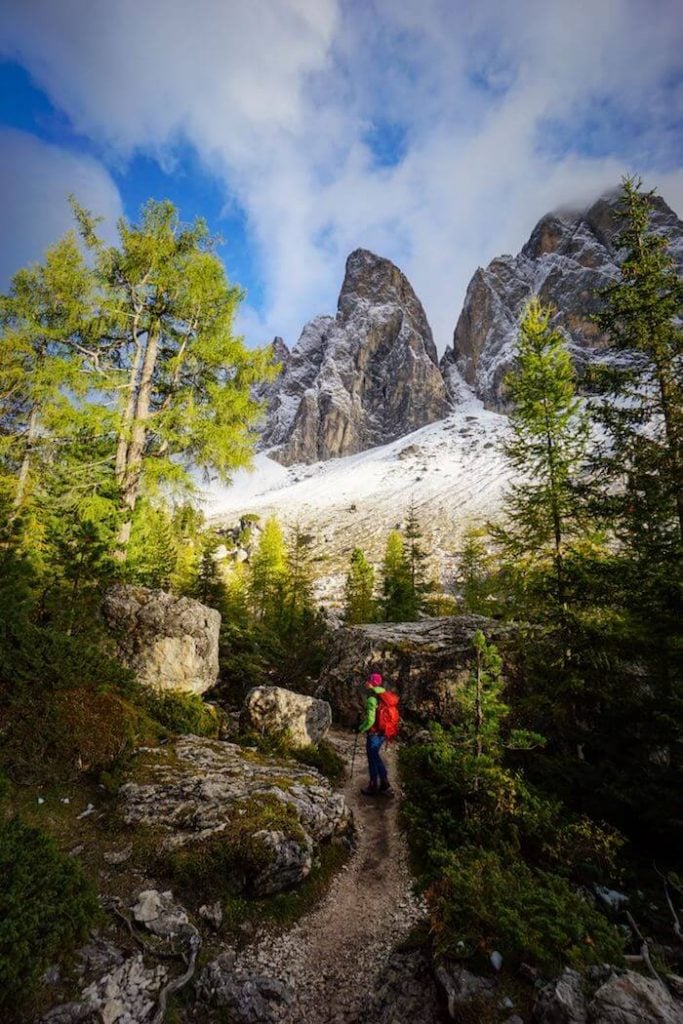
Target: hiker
{"points": [[381, 724]]}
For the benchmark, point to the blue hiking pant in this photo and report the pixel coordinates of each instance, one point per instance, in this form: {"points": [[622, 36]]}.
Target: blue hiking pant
{"points": [[376, 765]]}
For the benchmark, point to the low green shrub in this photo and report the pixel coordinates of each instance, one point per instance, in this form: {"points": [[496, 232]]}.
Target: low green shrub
{"points": [[323, 757], [182, 712], [46, 906], [484, 902]]}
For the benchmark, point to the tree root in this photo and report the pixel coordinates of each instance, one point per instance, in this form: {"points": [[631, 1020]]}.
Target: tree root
{"points": [[177, 983], [645, 952]]}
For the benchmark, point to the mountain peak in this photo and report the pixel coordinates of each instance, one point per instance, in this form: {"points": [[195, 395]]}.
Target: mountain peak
{"points": [[570, 255], [362, 378]]}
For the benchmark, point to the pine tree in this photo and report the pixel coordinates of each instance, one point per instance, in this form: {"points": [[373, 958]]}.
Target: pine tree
{"points": [[475, 569], [416, 558], [183, 379], [210, 587], [398, 598], [299, 583], [483, 711], [46, 368], [641, 467], [546, 446], [268, 574], [360, 605]]}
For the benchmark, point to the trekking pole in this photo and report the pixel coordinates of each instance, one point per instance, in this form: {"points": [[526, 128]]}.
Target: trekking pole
{"points": [[355, 745]]}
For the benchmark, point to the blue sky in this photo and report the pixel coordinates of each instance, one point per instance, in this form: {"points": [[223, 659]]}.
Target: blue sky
{"points": [[435, 133]]}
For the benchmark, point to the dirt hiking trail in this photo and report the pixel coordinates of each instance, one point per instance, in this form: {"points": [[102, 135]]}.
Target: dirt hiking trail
{"points": [[340, 960]]}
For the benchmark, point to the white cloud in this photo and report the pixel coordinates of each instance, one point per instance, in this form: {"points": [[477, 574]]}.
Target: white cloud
{"points": [[35, 180], [279, 97]]}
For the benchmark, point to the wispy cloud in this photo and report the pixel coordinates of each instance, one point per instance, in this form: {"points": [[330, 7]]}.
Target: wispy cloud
{"points": [[434, 133], [35, 179]]}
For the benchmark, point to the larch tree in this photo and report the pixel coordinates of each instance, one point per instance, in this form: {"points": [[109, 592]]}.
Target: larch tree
{"points": [[268, 574], [641, 465], [397, 601], [359, 592], [416, 558], [181, 378], [546, 447], [44, 364]]}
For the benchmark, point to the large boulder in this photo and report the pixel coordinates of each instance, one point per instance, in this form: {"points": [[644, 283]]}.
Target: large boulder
{"points": [[274, 711], [258, 818], [250, 998], [562, 1001], [630, 998], [425, 662], [171, 643]]}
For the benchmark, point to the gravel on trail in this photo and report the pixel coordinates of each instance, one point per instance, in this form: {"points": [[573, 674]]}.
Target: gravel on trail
{"points": [[341, 961]]}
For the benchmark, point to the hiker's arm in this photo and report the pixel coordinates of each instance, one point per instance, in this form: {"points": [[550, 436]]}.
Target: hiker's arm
{"points": [[370, 715]]}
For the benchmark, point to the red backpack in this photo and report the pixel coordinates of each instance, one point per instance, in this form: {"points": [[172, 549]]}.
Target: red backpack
{"points": [[388, 718]]}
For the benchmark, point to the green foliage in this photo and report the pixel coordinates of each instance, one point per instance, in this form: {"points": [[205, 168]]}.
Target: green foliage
{"points": [[398, 599], [181, 378], [46, 907], [359, 602], [475, 571], [181, 712], [484, 902], [323, 757], [546, 447], [642, 410], [268, 571]]}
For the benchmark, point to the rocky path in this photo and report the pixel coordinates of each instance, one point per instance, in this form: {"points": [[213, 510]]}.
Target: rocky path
{"points": [[341, 961]]}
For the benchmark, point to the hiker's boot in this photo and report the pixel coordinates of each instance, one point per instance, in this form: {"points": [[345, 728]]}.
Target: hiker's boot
{"points": [[385, 788], [370, 790]]}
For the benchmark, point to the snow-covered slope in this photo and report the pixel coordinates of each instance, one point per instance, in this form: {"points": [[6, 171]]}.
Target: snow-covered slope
{"points": [[452, 470]]}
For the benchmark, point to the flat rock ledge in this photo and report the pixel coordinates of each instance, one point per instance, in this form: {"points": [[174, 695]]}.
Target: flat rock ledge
{"points": [[200, 793], [426, 662]]}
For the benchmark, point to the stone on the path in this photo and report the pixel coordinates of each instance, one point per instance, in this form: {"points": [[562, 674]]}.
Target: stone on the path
{"points": [[72, 1013], [212, 913], [127, 995], [562, 1001], [250, 998], [462, 988], [629, 998], [274, 711], [202, 793], [159, 914], [171, 643]]}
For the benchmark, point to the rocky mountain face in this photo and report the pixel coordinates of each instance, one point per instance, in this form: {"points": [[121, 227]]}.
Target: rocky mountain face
{"points": [[361, 378], [568, 256]]}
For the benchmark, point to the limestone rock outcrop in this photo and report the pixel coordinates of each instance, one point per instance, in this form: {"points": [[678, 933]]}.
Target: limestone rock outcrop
{"points": [[199, 793], [623, 998], [425, 662], [569, 255], [171, 643], [274, 711], [361, 378]]}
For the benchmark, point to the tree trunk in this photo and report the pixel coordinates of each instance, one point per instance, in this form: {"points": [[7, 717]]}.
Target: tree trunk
{"points": [[22, 481], [132, 471], [478, 717]]}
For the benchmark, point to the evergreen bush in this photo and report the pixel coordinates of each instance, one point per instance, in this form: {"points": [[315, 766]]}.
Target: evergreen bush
{"points": [[485, 902], [46, 906], [182, 712]]}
